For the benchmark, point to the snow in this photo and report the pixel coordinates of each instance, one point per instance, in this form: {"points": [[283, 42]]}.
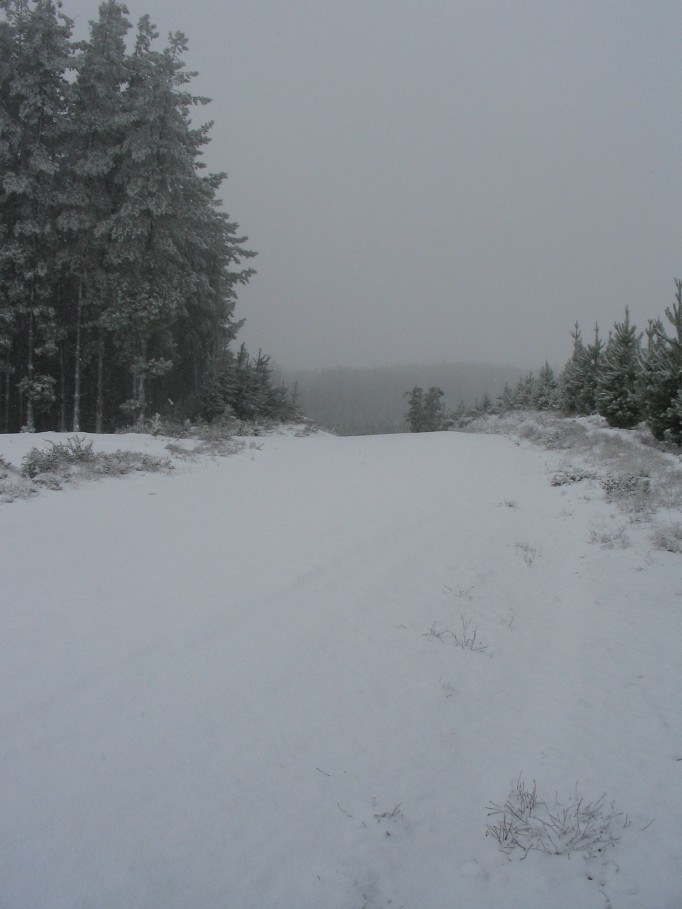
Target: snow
{"points": [[237, 684]]}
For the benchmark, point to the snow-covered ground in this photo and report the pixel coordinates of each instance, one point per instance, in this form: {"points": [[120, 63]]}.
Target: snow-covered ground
{"points": [[252, 683]]}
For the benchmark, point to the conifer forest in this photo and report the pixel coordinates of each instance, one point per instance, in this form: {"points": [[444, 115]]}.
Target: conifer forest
{"points": [[632, 377], [118, 267]]}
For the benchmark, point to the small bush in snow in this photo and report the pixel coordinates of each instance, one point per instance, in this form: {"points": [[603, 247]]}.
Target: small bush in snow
{"points": [[12, 485], [5, 467], [212, 447], [121, 463], [525, 823], [609, 537], [74, 459], [59, 457], [668, 537], [569, 475], [630, 487], [12, 489]]}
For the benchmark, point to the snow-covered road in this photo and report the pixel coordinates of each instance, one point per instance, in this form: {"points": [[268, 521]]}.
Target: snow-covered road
{"points": [[239, 686]]}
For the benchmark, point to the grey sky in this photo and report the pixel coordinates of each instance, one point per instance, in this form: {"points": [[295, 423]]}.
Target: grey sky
{"points": [[430, 180]]}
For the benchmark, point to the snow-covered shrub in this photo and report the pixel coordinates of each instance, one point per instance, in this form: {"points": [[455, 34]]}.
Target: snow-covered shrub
{"points": [[526, 822], [49, 481], [631, 492], [668, 537], [75, 459], [609, 537], [12, 485], [12, 488], [58, 458], [570, 474], [120, 463]]}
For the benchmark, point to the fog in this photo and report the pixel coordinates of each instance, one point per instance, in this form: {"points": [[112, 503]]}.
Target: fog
{"points": [[431, 181]]}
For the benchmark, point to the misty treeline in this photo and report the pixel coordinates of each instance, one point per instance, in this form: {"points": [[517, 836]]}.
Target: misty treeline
{"points": [[630, 377], [366, 400], [118, 268]]}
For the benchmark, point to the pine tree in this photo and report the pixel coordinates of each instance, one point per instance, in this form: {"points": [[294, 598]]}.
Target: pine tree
{"points": [[415, 410], [8, 130], [545, 389], [617, 396], [524, 392], [588, 374], [173, 251], [32, 137], [661, 382], [434, 412], [505, 401], [98, 122], [425, 411], [570, 381]]}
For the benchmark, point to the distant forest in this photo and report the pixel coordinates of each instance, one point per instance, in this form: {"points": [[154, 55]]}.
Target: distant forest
{"points": [[357, 401]]}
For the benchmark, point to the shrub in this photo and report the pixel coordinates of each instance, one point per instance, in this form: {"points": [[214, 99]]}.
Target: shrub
{"points": [[668, 537], [609, 538], [75, 458], [59, 457]]}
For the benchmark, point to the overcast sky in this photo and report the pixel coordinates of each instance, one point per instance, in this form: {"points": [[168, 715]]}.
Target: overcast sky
{"points": [[430, 180]]}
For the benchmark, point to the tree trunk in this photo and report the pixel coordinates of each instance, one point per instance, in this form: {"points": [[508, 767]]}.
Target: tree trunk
{"points": [[99, 411], [5, 421], [62, 391], [30, 424], [77, 365]]}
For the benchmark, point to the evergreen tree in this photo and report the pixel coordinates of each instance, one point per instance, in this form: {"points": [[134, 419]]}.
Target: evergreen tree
{"points": [[98, 128], [617, 396], [434, 412], [34, 92], [661, 381], [524, 392], [8, 130], [587, 374], [172, 249], [425, 412], [570, 380], [505, 401], [415, 410], [545, 389]]}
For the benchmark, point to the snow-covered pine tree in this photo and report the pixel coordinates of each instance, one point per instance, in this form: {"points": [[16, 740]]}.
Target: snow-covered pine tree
{"points": [[415, 409], [505, 401], [617, 390], [661, 379], [434, 412], [7, 314], [570, 381], [98, 123], [587, 375], [524, 391], [425, 410], [545, 389], [34, 93], [173, 250]]}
